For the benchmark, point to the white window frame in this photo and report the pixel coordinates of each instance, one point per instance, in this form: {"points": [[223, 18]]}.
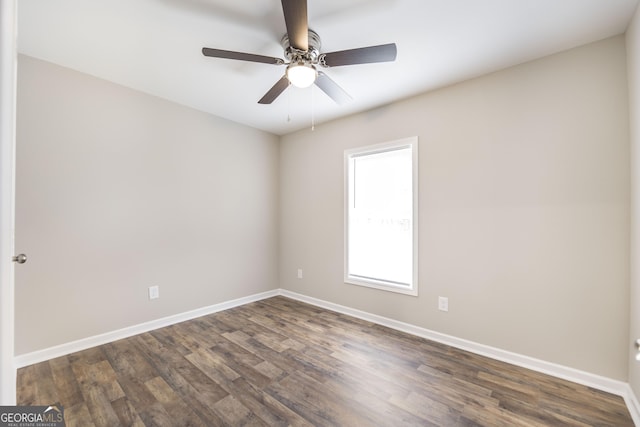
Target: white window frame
{"points": [[412, 143]]}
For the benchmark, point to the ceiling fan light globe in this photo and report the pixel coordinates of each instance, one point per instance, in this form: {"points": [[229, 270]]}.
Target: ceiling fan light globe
{"points": [[301, 75]]}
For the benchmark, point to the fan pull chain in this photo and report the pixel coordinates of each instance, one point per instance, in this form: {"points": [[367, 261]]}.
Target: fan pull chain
{"points": [[288, 106], [313, 118]]}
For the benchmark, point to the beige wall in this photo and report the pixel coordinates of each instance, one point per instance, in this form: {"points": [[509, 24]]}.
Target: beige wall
{"points": [[524, 209], [118, 191], [633, 73], [524, 200]]}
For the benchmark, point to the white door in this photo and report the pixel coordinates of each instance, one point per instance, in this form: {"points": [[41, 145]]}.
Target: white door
{"points": [[8, 61]]}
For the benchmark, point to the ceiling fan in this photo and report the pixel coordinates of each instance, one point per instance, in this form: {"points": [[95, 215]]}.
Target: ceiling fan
{"points": [[302, 50]]}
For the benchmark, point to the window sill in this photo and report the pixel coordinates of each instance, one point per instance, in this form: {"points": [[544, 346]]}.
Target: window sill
{"points": [[384, 286]]}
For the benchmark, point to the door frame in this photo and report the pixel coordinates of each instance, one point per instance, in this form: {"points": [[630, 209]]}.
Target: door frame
{"points": [[8, 75]]}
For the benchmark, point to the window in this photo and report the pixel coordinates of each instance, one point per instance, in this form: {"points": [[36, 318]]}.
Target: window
{"points": [[381, 210]]}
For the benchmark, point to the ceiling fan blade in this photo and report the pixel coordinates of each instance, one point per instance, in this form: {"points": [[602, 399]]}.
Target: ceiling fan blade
{"points": [[295, 16], [228, 54], [275, 91], [332, 89], [363, 55]]}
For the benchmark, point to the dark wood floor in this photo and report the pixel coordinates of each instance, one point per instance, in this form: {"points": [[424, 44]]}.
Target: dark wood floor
{"points": [[280, 362]]}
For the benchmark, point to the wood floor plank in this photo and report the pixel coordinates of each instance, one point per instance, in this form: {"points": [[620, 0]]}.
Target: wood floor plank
{"points": [[65, 381], [27, 383], [280, 362], [175, 407], [45, 384], [249, 395], [126, 413], [178, 372], [432, 411], [270, 410], [307, 397], [234, 413], [156, 415], [99, 405], [128, 361], [78, 416]]}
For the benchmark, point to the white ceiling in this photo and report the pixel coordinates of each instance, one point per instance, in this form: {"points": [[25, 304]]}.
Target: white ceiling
{"points": [[155, 46]]}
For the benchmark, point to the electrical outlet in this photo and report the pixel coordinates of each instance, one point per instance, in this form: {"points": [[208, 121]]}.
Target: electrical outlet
{"points": [[443, 303], [154, 292], [299, 273]]}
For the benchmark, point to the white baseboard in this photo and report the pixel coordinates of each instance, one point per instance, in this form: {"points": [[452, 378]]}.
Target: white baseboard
{"points": [[85, 343], [598, 382], [608, 385], [632, 404]]}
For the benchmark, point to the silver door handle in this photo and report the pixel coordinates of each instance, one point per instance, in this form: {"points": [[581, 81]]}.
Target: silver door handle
{"points": [[20, 259]]}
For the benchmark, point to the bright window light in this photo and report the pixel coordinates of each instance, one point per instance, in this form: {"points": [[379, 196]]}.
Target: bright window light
{"points": [[381, 208]]}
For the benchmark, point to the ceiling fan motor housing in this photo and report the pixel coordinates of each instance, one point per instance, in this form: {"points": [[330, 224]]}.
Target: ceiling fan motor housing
{"points": [[309, 57]]}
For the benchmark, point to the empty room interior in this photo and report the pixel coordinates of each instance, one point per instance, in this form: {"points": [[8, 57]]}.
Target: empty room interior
{"points": [[440, 228]]}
